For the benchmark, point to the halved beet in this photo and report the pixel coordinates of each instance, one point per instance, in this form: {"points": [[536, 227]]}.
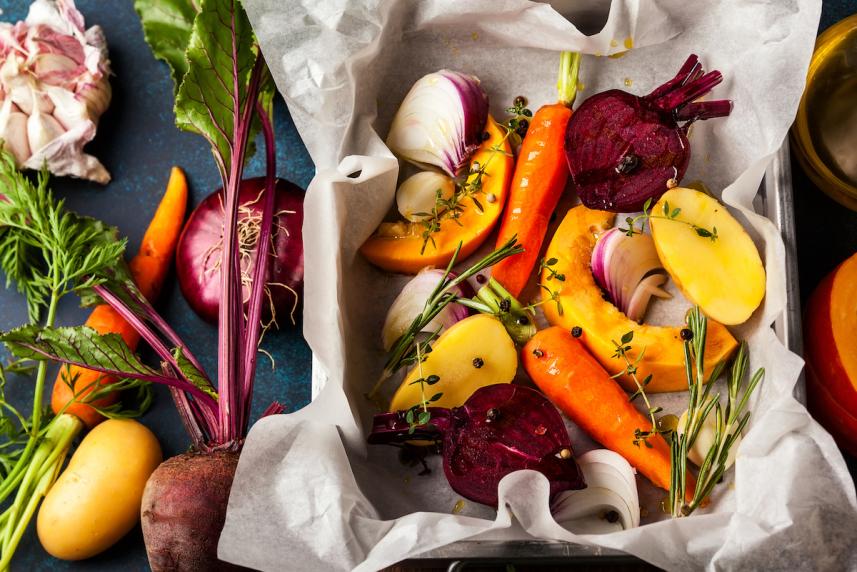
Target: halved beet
{"points": [[199, 249], [500, 429], [623, 149]]}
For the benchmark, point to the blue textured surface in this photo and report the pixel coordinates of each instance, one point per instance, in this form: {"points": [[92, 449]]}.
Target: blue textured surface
{"points": [[138, 143]]}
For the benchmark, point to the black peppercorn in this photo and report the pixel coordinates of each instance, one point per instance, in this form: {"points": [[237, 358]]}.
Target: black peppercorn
{"points": [[523, 321], [486, 136], [478, 362], [520, 101], [538, 353], [505, 305], [686, 334], [524, 124], [577, 331], [492, 414], [628, 163], [611, 516]]}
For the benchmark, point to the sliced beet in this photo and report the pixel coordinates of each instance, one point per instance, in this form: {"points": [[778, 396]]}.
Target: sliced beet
{"points": [[500, 429], [623, 149]]}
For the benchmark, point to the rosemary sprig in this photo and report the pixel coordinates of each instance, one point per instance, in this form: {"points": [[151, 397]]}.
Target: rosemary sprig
{"points": [[622, 350], [729, 422], [668, 214], [404, 350]]}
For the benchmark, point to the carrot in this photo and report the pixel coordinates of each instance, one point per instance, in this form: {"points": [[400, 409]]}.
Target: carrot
{"points": [[149, 269], [579, 386], [538, 183]]}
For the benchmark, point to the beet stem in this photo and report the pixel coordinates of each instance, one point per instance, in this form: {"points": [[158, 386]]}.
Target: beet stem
{"points": [[260, 272], [231, 329], [689, 92], [704, 110], [689, 68]]}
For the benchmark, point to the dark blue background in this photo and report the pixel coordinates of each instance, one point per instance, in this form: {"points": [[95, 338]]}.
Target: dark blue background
{"points": [[138, 143]]}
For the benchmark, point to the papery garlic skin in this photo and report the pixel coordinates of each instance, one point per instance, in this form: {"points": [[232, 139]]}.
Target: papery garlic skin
{"points": [[53, 89]]}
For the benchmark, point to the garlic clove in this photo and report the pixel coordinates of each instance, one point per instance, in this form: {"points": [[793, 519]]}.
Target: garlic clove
{"points": [[42, 129], [705, 439], [417, 195], [13, 131]]}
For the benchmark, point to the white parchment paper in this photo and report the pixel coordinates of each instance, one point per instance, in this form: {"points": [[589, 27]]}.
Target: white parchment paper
{"points": [[308, 493]]}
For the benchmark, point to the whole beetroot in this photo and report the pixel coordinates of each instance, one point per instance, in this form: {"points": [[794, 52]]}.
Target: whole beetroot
{"points": [[623, 149], [183, 511]]}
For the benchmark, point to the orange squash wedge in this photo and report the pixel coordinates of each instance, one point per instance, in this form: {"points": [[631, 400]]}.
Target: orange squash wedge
{"points": [[602, 322], [399, 247]]}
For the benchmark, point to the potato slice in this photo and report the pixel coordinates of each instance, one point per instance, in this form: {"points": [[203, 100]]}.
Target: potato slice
{"points": [[473, 353], [724, 276]]}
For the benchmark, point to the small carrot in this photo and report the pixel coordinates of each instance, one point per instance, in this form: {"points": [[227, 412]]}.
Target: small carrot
{"points": [[578, 385], [539, 181], [149, 269]]}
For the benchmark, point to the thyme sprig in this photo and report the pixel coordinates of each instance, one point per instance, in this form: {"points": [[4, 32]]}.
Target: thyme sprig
{"points": [[729, 422], [668, 213], [469, 184], [419, 413], [623, 348], [404, 350]]}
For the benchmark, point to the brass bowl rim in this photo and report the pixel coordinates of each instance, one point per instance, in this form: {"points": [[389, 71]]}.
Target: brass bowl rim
{"points": [[820, 174]]}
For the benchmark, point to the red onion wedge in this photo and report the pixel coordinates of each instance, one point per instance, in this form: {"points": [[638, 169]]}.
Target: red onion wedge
{"points": [[500, 429], [411, 302], [440, 121], [629, 270], [623, 149]]}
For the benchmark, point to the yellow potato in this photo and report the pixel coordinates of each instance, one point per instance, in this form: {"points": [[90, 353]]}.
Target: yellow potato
{"points": [[96, 500], [725, 277], [473, 353]]}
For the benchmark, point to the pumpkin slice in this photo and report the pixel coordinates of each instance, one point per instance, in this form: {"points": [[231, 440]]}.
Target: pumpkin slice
{"points": [[398, 247], [583, 305]]}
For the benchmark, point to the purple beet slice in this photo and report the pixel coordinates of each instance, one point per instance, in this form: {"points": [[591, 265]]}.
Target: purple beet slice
{"points": [[623, 149], [500, 429]]}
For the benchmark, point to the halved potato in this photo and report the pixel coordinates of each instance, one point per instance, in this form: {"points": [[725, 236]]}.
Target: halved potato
{"points": [[473, 353], [724, 277]]}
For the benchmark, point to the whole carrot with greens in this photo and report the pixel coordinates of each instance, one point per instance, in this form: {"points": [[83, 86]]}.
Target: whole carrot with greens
{"points": [[74, 385], [578, 385], [540, 176]]}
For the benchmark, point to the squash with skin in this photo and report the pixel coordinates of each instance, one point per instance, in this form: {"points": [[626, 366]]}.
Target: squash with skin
{"points": [[583, 305], [830, 327], [473, 353], [398, 247]]}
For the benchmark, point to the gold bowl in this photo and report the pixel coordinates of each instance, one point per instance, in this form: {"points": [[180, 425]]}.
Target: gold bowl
{"points": [[824, 134]]}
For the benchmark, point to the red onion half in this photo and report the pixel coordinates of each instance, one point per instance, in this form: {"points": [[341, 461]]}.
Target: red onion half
{"points": [[440, 121], [629, 270], [200, 247]]}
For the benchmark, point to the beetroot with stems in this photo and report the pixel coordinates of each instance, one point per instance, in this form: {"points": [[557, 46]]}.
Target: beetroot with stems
{"points": [[500, 429], [623, 149], [199, 250]]}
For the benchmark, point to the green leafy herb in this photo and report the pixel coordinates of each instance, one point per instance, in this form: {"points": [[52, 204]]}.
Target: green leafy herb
{"points": [[167, 27], [622, 351], [668, 214]]}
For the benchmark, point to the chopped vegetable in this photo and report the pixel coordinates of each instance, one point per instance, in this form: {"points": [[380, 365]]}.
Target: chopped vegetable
{"points": [[623, 149], [412, 300], [422, 193], [539, 181], [473, 353], [96, 501], [440, 121], [198, 258], [499, 429], [721, 271], [574, 381], [628, 269], [609, 503], [53, 89], [407, 248]]}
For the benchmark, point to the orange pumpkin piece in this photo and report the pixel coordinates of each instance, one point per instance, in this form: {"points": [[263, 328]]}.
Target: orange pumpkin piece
{"points": [[583, 305], [398, 247]]}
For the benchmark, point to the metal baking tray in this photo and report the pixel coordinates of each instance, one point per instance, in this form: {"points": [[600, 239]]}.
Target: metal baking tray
{"points": [[774, 200]]}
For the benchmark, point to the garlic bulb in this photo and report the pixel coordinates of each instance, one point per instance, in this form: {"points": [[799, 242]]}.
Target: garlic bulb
{"points": [[417, 195], [53, 88]]}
